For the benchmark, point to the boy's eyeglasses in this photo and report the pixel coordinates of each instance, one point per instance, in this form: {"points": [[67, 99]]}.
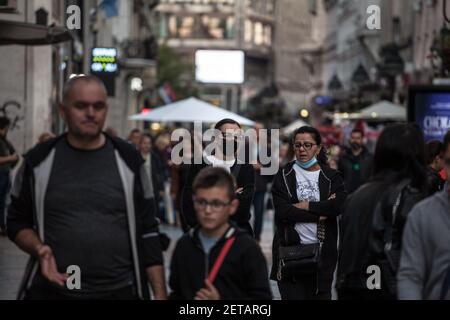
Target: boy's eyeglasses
{"points": [[215, 205], [307, 146]]}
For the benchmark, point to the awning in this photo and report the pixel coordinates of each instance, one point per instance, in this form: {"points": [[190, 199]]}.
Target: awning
{"points": [[190, 110], [384, 110], [13, 32]]}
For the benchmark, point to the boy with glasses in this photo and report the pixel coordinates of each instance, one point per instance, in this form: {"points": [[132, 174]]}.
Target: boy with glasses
{"points": [[196, 271]]}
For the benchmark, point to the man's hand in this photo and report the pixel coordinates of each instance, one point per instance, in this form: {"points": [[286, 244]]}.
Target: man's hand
{"points": [[14, 158], [155, 276], [48, 266], [302, 206], [257, 166], [9, 159], [208, 293], [239, 190], [332, 197]]}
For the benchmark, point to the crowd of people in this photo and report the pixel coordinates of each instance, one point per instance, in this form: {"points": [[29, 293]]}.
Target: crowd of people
{"points": [[90, 199]]}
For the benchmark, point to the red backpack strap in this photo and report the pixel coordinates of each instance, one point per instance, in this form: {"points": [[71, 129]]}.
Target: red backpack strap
{"points": [[219, 261]]}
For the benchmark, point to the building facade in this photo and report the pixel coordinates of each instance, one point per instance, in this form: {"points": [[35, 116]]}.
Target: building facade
{"points": [[189, 25], [125, 27], [298, 46], [32, 75], [428, 27]]}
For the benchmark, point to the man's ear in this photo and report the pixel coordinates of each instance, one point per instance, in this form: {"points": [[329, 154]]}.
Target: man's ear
{"points": [[233, 206], [62, 111]]}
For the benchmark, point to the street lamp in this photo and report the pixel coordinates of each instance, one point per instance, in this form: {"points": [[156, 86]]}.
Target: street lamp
{"points": [[304, 113], [156, 126], [136, 84]]}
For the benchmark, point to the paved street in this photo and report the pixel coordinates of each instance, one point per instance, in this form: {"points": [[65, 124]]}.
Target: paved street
{"points": [[13, 261]]}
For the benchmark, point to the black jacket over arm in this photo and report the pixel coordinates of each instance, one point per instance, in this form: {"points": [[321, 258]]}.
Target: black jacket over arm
{"points": [[245, 179], [284, 193]]}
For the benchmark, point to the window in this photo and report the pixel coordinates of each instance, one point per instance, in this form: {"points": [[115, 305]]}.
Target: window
{"points": [[216, 27], [163, 33], [248, 33], [230, 27], [270, 7], [259, 33], [268, 35], [187, 27], [173, 29]]}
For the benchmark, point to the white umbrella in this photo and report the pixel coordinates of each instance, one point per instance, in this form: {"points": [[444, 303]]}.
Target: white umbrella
{"points": [[190, 110], [384, 110], [294, 126]]}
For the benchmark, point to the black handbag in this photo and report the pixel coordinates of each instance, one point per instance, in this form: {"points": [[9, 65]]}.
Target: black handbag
{"points": [[302, 259]]}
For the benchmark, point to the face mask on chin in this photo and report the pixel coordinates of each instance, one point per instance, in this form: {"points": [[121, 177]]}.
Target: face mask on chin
{"points": [[307, 165]]}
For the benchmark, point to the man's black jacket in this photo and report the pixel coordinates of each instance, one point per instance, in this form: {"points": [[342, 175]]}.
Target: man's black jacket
{"points": [[356, 170]]}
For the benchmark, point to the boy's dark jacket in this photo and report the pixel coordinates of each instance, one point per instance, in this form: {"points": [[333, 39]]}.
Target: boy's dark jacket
{"points": [[22, 213], [243, 274], [284, 193], [245, 179]]}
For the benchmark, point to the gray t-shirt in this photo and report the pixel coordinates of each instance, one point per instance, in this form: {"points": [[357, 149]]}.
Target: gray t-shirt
{"points": [[207, 242], [85, 218]]}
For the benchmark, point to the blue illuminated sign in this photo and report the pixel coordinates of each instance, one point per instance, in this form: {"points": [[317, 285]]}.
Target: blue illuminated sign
{"points": [[104, 60]]}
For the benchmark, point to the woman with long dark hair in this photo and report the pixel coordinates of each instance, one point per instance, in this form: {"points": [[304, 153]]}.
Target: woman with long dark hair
{"points": [[307, 196], [374, 216]]}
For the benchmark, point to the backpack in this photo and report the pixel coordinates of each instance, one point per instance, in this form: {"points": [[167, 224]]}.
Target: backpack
{"points": [[388, 222]]}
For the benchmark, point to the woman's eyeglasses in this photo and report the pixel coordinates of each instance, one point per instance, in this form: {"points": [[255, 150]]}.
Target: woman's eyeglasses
{"points": [[307, 146]]}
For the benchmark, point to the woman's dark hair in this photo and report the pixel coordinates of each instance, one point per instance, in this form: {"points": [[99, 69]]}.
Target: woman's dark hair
{"points": [[226, 121], [432, 150], [322, 157], [401, 151]]}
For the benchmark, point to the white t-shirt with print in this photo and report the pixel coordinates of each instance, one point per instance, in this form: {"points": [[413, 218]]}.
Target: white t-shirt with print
{"points": [[307, 190]]}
